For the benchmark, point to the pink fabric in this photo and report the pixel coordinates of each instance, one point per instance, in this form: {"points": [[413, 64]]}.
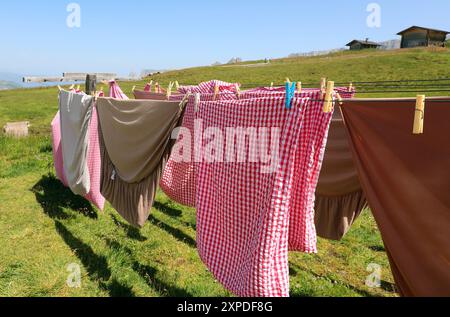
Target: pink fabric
{"points": [[243, 213], [94, 163], [116, 92], [308, 164], [148, 88], [179, 178], [57, 150], [209, 87]]}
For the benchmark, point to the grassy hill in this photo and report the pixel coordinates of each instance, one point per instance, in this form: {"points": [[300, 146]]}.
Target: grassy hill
{"points": [[45, 228]]}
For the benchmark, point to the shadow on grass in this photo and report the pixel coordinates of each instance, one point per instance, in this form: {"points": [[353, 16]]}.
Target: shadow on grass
{"points": [[131, 232], [173, 213], [168, 210], [295, 269], [150, 274], [95, 265], [377, 248], [54, 197], [176, 233]]}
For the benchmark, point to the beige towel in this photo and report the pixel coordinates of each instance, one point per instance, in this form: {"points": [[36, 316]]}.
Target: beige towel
{"points": [[136, 143]]}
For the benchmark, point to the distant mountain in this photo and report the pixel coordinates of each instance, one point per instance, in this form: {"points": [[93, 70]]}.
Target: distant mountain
{"points": [[10, 81], [8, 85]]}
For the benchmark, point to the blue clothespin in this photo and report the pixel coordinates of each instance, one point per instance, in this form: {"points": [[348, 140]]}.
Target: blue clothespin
{"points": [[290, 94]]}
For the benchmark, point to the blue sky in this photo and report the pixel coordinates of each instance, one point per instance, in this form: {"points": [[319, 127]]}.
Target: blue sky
{"points": [[132, 35]]}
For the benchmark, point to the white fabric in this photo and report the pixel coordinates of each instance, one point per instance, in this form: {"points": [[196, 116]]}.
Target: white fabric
{"points": [[76, 112]]}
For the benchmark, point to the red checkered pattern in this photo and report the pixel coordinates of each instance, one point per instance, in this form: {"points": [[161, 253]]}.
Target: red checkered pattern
{"points": [[308, 163], [209, 87], [243, 214], [179, 179]]}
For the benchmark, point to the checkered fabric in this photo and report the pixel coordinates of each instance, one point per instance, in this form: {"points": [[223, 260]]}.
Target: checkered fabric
{"points": [[242, 213], [308, 163], [208, 87], [179, 179]]}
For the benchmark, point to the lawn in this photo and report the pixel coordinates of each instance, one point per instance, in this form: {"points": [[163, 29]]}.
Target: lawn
{"points": [[45, 228]]}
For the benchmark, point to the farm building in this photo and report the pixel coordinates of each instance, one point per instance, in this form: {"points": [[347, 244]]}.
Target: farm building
{"points": [[416, 36], [356, 45]]}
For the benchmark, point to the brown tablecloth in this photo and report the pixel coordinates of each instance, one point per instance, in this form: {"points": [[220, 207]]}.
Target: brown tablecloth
{"points": [[406, 179]]}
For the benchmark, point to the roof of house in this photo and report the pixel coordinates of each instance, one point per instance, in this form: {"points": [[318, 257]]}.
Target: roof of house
{"points": [[422, 28], [363, 42]]}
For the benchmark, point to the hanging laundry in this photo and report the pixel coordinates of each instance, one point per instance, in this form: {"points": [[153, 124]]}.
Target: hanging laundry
{"points": [[116, 92], [93, 158], [148, 87], [242, 210], [406, 178], [179, 181], [75, 113], [147, 95], [339, 196], [308, 163], [136, 141], [57, 150], [209, 87]]}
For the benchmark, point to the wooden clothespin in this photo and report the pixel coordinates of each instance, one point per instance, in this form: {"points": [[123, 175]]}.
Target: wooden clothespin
{"points": [[134, 88], [288, 80], [299, 87], [339, 98], [419, 115], [216, 91], [157, 87], [350, 87], [177, 85], [238, 91], [169, 90], [60, 88], [71, 87], [323, 84], [78, 87], [328, 101], [271, 85]]}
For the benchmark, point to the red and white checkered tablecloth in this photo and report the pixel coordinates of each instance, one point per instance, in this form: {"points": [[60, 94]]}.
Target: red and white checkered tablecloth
{"points": [[179, 178], [242, 213]]}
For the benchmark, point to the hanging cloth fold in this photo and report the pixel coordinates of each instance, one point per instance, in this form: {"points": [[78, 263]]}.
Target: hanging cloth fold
{"points": [[242, 210], [406, 179], [339, 197], [116, 92], [179, 181], [76, 112], [136, 141]]}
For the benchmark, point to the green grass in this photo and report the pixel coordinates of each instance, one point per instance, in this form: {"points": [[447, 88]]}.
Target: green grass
{"points": [[44, 227]]}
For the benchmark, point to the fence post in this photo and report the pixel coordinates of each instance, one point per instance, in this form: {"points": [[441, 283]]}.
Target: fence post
{"points": [[91, 84]]}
